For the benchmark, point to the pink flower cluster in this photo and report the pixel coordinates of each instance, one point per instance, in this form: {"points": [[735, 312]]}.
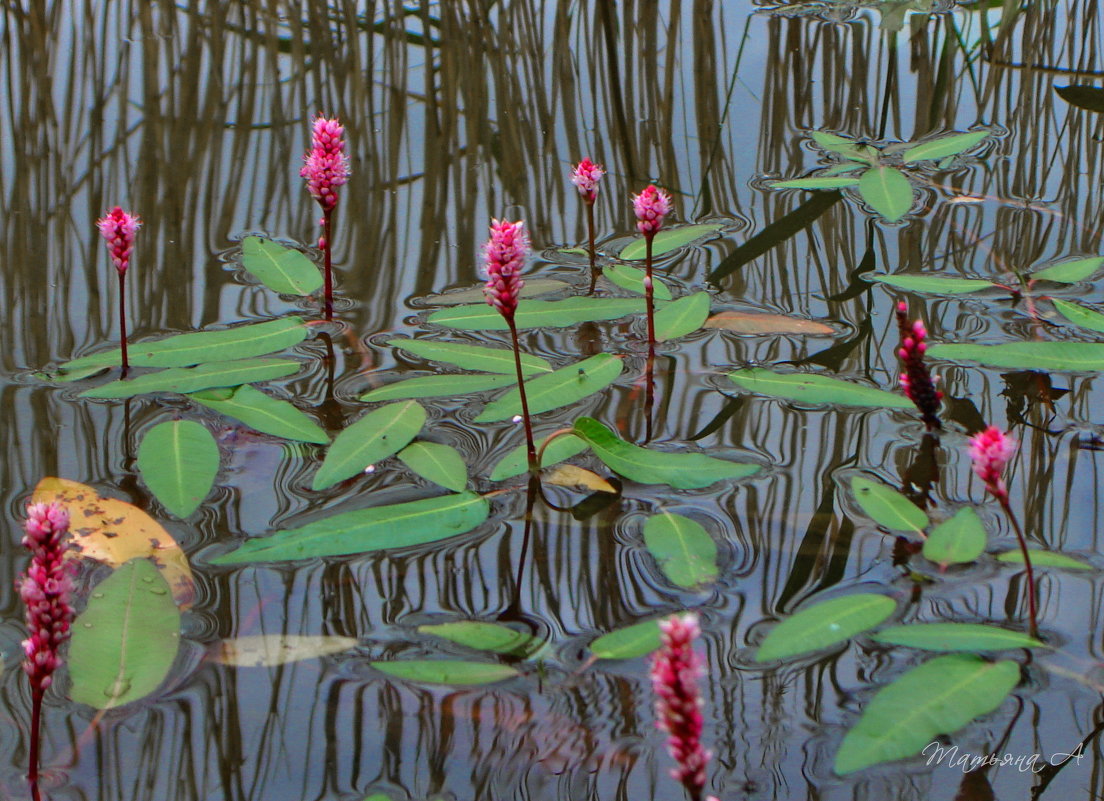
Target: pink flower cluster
{"points": [[651, 206], [917, 381], [45, 589], [326, 166], [504, 256], [586, 176], [991, 451], [675, 672], [118, 229]]}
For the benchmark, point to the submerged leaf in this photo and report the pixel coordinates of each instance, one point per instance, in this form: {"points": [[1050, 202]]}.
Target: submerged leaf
{"points": [[937, 284], [126, 639], [939, 697], [758, 323], [824, 624], [667, 240], [956, 541], [446, 671], [887, 507], [448, 385], [815, 388], [684, 316], [632, 279], [539, 313], [441, 464], [192, 379], [944, 146], [956, 637], [1074, 356], [482, 636], [282, 269], [262, 413], [270, 650], [686, 553], [886, 191], [516, 462], [472, 357], [399, 525], [560, 388], [178, 461], [377, 435], [570, 475], [630, 642], [1090, 98]]}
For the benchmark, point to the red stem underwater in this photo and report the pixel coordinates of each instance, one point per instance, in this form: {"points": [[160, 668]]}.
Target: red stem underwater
{"points": [[1031, 603]]}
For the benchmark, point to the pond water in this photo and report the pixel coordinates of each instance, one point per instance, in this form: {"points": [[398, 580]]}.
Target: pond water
{"points": [[195, 117]]}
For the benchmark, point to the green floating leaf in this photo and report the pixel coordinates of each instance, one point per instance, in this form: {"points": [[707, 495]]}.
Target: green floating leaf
{"points": [[280, 268], [667, 240], [560, 388], [185, 350], [886, 191], [815, 388], [933, 283], [377, 435], [628, 643], [956, 541], [938, 697], [818, 182], [262, 413], [438, 386], [1079, 315], [532, 288], [441, 464], [1040, 558], [848, 148], [944, 146], [679, 470], [125, 641], [472, 357], [632, 279], [824, 624], [686, 553], [379, 528], [192, 379], [446, 671], [179, 461], [1069, 272], [516, 462], [539, 313], [1082, 356], [682, 317], [956, 637], [840, 169], [887, 507], [485, 636]]}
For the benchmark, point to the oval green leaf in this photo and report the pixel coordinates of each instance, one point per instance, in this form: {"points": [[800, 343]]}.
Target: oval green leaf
{"points": [[821, 182], [824, 624], [485, 636], [377, 435], [533, 287], [956, 637], [192, 379], [848, 148], [560, 388], [684, 316], [1079, 315], [936, 284], [1041, 558], [125, 641], [441, 464], [630, 642], [178, 461], [472, 357], [887, 507], [667, 240], [938, 697], [944, 146], [686, 553], [516, 462], [815, 388], [446, 671], [538, 313], [438, 386], [395, 526], [886, 191], [262, 413], [679, 470], [632, 279], [1069, 272], [280, 268], [1073, 356], [956, 541]]}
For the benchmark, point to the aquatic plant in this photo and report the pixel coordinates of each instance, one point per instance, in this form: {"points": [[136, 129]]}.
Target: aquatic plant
{"points": [[118, 229], [651, 206], [586, 176], [44, 588], [326, 167], [917, 381]]}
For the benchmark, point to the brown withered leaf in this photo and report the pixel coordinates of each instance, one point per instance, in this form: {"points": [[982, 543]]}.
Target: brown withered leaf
{"points": [[569, 475], [114, 532], [762, 323]]}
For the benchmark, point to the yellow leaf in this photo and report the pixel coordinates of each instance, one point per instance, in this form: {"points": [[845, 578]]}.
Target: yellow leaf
{"points": [[569, 475], [268, 650], [754, 323], [114, 532]]}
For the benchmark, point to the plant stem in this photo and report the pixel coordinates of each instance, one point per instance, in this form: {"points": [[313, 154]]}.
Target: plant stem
{"points": [[327, 228], [649, 292], [36, 724], [530, 445], [1031, 604], [122, 320], [595, 270]]}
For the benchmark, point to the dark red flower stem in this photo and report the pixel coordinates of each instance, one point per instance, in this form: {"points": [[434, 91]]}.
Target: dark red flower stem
{"points": [[123, 321], [36, 725], [327, 236], [595, 270], [649, 290], [530, 443]]}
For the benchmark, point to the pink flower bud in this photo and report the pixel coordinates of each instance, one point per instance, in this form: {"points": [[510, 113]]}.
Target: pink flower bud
{"points": [[586, 176], [118, 229], [651, 206], [991, 451], [325, 165]]}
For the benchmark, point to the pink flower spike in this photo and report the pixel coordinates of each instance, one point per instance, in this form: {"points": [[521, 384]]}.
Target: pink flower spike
{"points": [[45, 589], [991, 451], [675, 670], [118, 229], [586, 176], [325, 166], [504, 256], [916, 380], [651, 206]]}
